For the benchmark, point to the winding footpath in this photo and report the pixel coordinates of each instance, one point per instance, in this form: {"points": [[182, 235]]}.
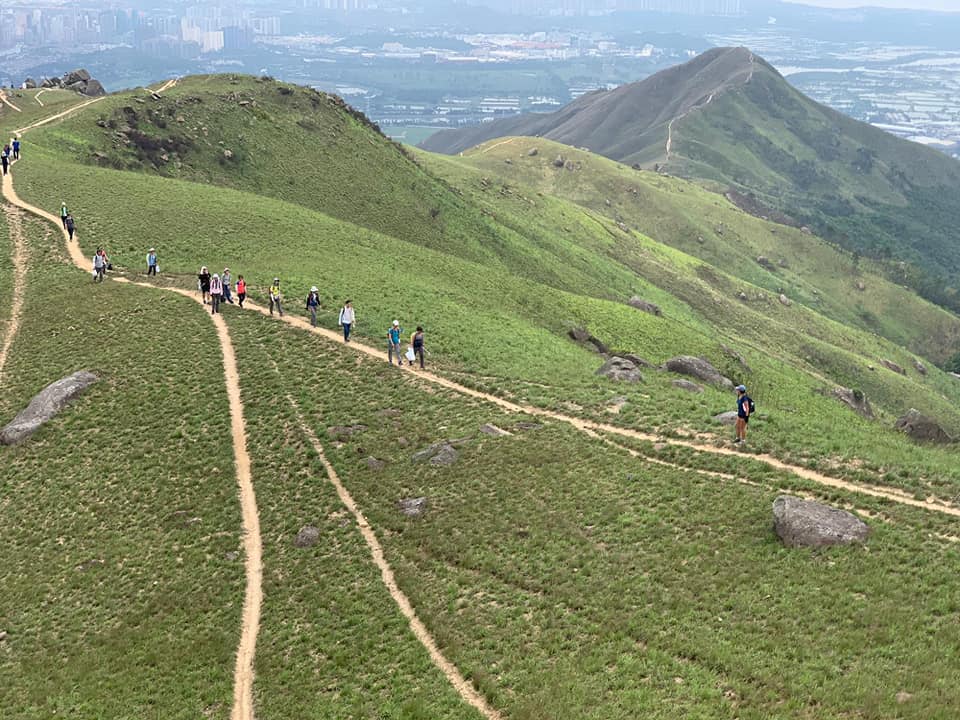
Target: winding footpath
{"points": [[20, 260], [244, 675]]}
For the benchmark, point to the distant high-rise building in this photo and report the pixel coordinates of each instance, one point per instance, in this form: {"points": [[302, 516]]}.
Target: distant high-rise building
{"points": [[237, 38]]}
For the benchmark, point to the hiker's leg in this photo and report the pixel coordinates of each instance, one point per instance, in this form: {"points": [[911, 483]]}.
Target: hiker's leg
{"points": [[419, 352], [313, 316], [279, 307]]}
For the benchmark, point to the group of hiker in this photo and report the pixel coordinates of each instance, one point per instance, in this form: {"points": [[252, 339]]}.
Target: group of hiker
{"points": [[10, 152], [216, 289]]}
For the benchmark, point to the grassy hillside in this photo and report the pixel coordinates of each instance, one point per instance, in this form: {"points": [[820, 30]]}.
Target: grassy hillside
{"points": [[729, 119], [701, 223]]}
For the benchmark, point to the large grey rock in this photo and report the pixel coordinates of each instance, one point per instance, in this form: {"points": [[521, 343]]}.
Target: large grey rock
{"points": [[29, 84], [919, 367], [75, 76], [493, 430], [413, 507], [583, 336], [688, 386], [640, 304], [726, 418], [805, 523], [855, 400], [440, 454], [920, 427], [94, 89], [45, 406], [307, 537], [621, 370], [891, 365], [698, 368]]}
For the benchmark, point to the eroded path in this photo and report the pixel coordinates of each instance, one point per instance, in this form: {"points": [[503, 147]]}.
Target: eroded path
{"points": [[20, 259]]}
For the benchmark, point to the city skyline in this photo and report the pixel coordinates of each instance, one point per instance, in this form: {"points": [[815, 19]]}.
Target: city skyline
{"points": [[936, 5]]}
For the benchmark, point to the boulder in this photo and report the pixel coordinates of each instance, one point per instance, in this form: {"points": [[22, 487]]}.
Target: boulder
{"points": [[29, 84], [583, 336], [307, 537], [855, 400], [94, 89], [637, 360], [49, 83], [413, 507], [648, 307], [339, 432], [726, 418], [375, 464], [955, 375], [621, 370], [533, 152], [764, 262], [688, 386], [560, 161], [920, 367], [45, 406], [860, 285], [77, 87], [698, 368], [785, 301], [920, 427], [890, 365], [805, 523], [75, 76], [493, 431], [440, 454]]}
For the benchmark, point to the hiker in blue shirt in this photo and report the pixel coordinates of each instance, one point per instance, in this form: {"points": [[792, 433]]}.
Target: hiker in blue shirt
{"points": [[313, 304], [16, 148], [152, 262], [393, 343], [744, 408]]}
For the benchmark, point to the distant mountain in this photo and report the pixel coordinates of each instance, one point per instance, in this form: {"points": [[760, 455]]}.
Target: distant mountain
{"points": [[729, 118]]}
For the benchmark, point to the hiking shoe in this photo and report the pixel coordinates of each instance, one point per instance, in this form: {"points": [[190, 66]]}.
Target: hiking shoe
{"points": [[737, 441]]}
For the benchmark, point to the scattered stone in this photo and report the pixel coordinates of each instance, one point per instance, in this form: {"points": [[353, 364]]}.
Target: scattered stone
{"points": [[228, 154], [903, 697], [583, 336], [734, 355], [493, 431], [743, 296], [890, 365], [89, 564], [413, 507], [700, 239], [403, 442], [307, 537], [45, 406], [920, 367], [688, 386], [855, 400], [806, 231], [375, 464], [617, 404], [390, 412], [764, 262], [338, 432], [920, 427], [508, 161], [861, 286], [785, 301], [621, 370], [640, 304], [805, 523], [523, 426], [698, 368], [784, 264], [231, 556], [559, 162], [3, 635], [440, 454], [726, 418], [637, 360], [533, 152]]}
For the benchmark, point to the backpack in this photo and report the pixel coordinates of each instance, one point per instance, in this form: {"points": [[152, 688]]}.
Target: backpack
{"points": [[752, 404]]}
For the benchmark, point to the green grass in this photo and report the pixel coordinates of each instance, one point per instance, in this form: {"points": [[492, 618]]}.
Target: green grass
{"points": [[570, 581], [119, 599], [30, 110]]}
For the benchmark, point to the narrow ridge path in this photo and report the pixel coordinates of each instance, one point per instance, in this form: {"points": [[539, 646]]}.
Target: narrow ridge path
{"points": [[20, 259], [465, 689], [5, 101], [253, 599]]}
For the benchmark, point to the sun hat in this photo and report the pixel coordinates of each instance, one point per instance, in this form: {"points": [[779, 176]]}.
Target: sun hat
{"points": [[396, 323], [153, 249], [276, 280], [314, 289]]}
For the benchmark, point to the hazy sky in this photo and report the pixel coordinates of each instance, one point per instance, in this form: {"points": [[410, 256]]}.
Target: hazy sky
{"points": [[946, 5]]}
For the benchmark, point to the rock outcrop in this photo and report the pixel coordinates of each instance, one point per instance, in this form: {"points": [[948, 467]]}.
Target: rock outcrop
{"points": [[45, 406], [307, 537], [413, 507], [620, 369], [891, 365], [855, 400], [805, 523], [77, 80], [726, 418], [440, 454], [583, 336], [698, 368], [688, 386], [648, 307], [920, 427]]}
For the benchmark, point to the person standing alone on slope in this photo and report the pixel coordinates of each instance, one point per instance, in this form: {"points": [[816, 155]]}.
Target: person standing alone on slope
{"points": [[152, 262], [275, 297], [347, 319], [745, 407], [313, 304]]}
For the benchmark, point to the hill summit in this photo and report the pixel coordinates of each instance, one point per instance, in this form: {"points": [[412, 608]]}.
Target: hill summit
{"points": [[729, 119]]}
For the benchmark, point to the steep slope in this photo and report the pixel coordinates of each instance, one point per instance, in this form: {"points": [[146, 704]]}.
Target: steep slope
{"points": [[778, 258], [730, 119]]}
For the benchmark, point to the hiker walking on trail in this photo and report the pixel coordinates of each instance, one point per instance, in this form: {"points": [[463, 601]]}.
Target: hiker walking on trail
{"points": [[5, 158], [225, 282], [313, 304], [70, 224], [16, 148], [275, 297], [152, 262], [241, 290], [203, 283], [216, 292], [393, 343], [416, 344], [745, 408], [347, 319], [99, 265], [63, 214]]}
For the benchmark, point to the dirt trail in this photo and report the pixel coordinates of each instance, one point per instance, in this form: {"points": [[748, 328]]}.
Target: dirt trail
{"points": [[253, 547], [20, 259], [453, 675], [37, 97], [5, 101]]}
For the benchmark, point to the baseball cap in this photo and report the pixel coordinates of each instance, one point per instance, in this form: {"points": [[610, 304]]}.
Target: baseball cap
{"points": [[741, 388]]}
